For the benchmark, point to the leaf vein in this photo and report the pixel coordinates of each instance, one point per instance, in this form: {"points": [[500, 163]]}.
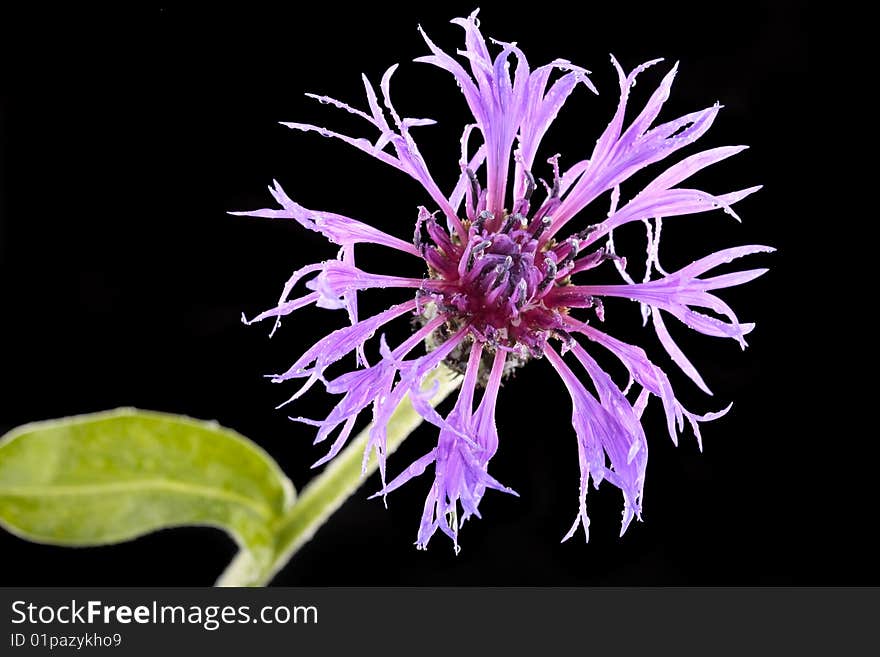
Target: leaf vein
{"points": [[58, 490]]}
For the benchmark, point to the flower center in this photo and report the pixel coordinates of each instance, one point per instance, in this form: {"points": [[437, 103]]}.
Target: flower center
{"points": [[495, 283]]}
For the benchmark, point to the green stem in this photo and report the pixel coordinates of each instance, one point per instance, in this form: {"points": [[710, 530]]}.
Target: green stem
{"points": [[327, 492]]}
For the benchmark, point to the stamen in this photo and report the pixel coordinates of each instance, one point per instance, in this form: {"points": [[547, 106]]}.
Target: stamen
{"points": [[417, 235], [554, 191], [475, 185], [530, 185], [475, 252], [544, 225], [482, 218], [565, 337], [511, 220], [586, 232], [501, 271], [550, 276], [482, 245], [574, 245], [521, 291]]}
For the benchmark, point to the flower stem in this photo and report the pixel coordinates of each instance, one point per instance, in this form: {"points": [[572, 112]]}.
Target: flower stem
{"points": [[326, 493]]}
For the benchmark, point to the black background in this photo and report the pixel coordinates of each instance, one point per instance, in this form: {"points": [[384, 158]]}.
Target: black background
{"points": [[127, 136]]}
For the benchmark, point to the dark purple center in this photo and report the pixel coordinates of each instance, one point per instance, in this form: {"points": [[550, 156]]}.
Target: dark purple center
{"points": [[496, 281]]}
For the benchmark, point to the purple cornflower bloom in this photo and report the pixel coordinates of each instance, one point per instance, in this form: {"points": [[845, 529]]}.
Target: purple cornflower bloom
{"points": [[506, 277]]}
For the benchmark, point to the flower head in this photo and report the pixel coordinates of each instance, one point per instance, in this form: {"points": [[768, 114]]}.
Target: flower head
{"points": [[507, 278]]}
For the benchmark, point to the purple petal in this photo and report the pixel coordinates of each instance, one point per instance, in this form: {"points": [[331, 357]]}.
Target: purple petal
{"points": [[600, 433], [340, 343], [335, 227], [691, 165], [676, 353], [460, 475]]}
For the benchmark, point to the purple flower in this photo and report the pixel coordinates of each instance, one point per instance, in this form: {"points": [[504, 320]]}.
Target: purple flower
{"points": [[507, 278]]}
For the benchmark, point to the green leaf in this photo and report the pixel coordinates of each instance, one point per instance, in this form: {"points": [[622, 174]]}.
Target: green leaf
{"points": [[112, 476], [109, 477]]}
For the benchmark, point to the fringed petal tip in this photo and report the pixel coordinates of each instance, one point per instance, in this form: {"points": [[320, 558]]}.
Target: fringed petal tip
{"points": [[628, 515]]}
